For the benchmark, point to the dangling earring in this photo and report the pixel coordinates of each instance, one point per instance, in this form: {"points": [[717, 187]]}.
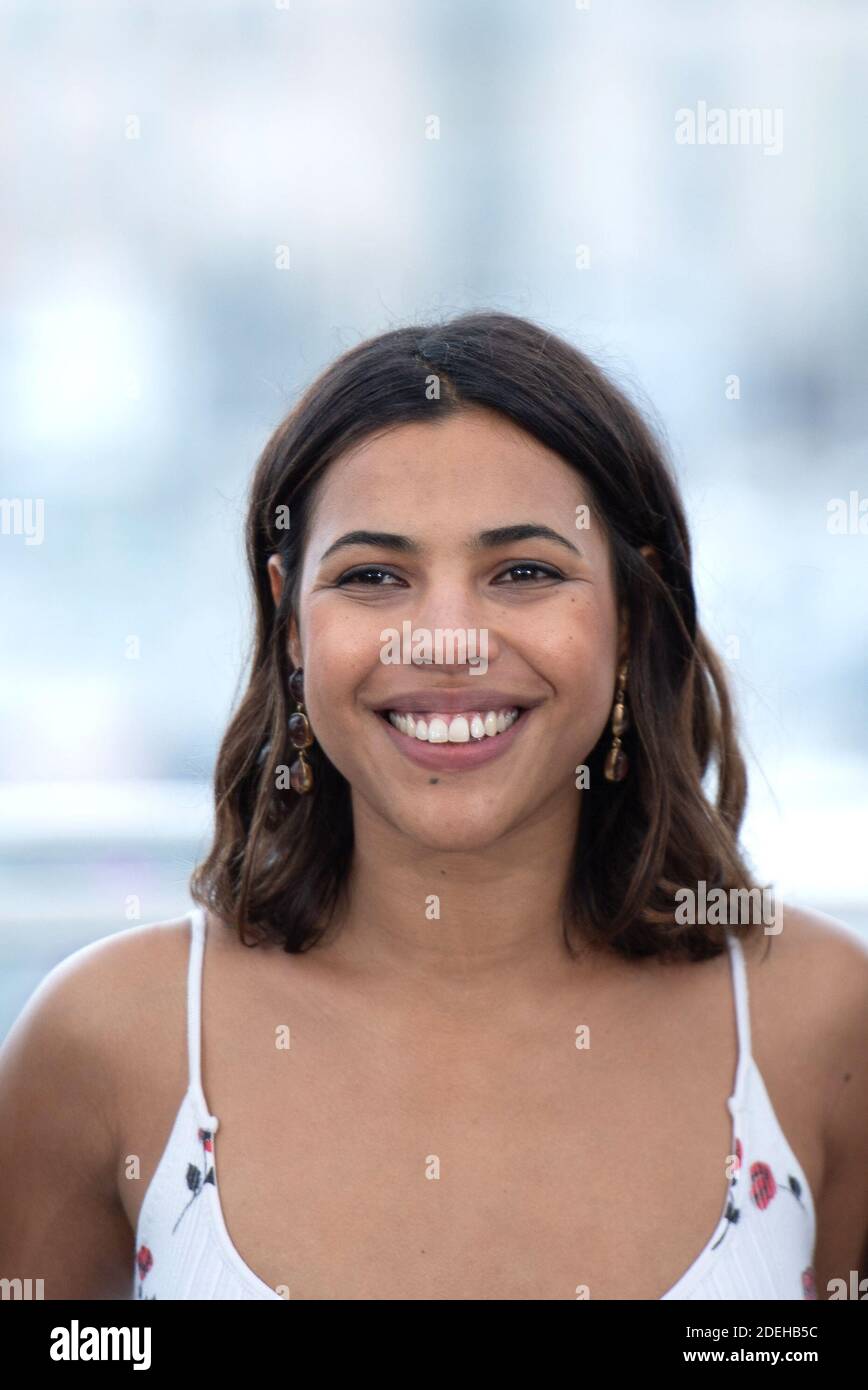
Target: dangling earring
{"points": [[300, 736], [615, 769]]}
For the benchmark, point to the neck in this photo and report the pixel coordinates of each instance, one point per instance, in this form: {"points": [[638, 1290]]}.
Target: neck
{"points": [[459, 925]]}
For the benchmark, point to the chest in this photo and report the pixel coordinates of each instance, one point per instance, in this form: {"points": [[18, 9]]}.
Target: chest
{"points": [[582, 1153]]}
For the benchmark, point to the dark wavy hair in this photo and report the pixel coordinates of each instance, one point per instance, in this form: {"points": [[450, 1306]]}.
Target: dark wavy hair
{"points": [[279, 862]]}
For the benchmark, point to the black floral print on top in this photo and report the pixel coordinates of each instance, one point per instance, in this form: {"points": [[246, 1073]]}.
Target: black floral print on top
{"points": [[196, 1178], [732, 1211]]}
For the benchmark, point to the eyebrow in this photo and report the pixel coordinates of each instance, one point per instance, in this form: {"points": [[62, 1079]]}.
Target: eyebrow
{"points": [[485, 540]]}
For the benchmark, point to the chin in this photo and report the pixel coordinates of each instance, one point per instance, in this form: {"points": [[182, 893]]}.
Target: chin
{"points": [[443, 823]]}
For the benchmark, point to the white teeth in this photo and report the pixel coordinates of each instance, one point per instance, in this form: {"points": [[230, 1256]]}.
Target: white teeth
{"points": [[457, 729]]}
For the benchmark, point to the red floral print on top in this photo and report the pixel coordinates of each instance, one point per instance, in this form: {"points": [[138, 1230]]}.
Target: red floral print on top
{"points": [[144, 1261], [763, 1186]]}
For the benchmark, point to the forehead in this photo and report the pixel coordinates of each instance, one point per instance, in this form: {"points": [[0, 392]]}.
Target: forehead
{"points": [[456, 471]]}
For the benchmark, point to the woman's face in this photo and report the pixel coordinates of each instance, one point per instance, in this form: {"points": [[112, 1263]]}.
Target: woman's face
{"points": [[541, 610]]}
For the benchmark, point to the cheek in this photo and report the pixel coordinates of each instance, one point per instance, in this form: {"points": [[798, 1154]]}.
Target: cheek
{"points": [[579, 638], [341, 654], [586, 692], [578, 655]]}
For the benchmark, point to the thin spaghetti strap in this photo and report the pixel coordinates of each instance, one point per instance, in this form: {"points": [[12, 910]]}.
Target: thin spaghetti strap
{"points": [[742, 1014], [198, 928]]}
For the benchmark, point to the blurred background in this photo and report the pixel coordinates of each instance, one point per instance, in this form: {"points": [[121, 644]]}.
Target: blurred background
{"points": [[206, 202]]}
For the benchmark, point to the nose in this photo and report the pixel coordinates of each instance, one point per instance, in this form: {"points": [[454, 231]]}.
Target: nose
{"points": [[447, 603], [455, 612]]}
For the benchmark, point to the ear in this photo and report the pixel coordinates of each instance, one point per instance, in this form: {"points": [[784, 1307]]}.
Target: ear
{"points": [[652, 556], [275, 577], [295, 654]]}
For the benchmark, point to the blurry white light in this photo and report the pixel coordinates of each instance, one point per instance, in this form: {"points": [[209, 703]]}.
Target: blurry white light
{"points": [[80, 370], [80, 734]]}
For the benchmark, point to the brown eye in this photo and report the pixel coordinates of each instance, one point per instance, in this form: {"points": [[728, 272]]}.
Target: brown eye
{"points": [[361, 577], [535, 569]]}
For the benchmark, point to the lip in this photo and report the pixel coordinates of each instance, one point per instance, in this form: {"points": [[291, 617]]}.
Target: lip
{"points": [[452, 757], [454, 700]]}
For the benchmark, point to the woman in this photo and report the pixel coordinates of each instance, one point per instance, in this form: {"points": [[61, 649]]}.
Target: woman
{"points": [[459, 1013]]}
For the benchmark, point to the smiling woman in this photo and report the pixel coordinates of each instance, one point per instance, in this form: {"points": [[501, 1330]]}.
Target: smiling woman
{"points": [[384, 466], [480, 1051], [440, 838]]}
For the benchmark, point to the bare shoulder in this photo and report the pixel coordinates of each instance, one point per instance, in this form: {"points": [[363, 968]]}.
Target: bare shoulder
{"points": [[809, 981], [96, 995], [95, 1010], [811, 1015], [91, 996], [815, 963], [829, 961], [65, 1067]]}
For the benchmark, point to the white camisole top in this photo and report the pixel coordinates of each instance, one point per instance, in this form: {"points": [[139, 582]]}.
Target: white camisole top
{"points": [[761, 1248]]}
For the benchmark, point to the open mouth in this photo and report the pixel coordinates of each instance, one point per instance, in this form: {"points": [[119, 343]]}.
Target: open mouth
{"points": [[454, 741], [466, 726]]}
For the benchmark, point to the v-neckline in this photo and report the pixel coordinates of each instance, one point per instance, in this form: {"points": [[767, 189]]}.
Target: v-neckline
{"points": [[679, 1289]]}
